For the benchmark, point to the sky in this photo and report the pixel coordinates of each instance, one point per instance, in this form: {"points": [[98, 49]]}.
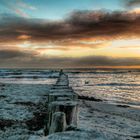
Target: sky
{"points": [[69, 34]]}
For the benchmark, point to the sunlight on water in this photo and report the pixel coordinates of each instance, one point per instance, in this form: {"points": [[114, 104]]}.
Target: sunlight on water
{"points": [[111, 86], [28, 76]]}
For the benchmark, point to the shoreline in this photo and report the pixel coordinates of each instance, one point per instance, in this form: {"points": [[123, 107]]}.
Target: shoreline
{"points": [[111, 120], [22, 108]]}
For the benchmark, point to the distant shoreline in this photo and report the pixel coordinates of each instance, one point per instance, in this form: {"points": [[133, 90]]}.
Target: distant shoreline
{"points": [[94, 68]]}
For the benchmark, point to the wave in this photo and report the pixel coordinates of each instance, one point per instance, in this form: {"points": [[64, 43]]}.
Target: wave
{"points": [[28, 74], [116, 84]]}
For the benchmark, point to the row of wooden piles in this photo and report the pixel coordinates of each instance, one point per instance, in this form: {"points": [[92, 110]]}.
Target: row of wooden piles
{"points": [[62, 107]]}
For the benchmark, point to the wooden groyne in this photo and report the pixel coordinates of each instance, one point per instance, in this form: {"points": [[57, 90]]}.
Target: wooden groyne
{"points": [[62, 107]]}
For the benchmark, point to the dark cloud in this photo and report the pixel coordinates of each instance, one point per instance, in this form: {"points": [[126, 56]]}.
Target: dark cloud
{"points": [[16, 54], [8, 54], [23, 59], [107, 61], [131, 3], [80, 24]]}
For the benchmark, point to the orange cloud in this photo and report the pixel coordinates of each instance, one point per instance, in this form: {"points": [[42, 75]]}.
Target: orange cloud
{"points": [[135, 10], [80, 39], [24, 37]]}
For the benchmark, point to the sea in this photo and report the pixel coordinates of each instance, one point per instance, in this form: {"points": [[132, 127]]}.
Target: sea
{"points": [[114, 86]]}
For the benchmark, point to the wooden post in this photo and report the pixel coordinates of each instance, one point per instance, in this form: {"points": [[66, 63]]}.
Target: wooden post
{"points": [[62, 106], [70, 108], [61, 90], [63, 99], [54, 96], [58, 123]]}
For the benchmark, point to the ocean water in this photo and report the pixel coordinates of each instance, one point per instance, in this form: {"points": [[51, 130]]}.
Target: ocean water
{"points": [[27, 76], [112, 86]]}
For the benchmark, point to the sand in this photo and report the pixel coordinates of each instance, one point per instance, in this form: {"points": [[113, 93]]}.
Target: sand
{"points": [[22, 111], [114, 122]]}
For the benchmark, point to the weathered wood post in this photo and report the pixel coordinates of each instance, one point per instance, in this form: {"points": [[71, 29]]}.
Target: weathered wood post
{"points": [[54, 96], [70, 108], [58, 122], [63, 106]]}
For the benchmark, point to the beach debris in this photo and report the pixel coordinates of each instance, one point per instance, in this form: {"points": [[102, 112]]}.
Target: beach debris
{"points": [[89, 98], [124, 106], [86, 82]]}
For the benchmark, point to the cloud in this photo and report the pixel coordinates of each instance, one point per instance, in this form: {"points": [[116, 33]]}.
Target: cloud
{"points": [[79, 25], [80, 28], [16, 58], [107, 61], [24, 5], [10, 54], [132, 3], [24, 37], [18, 7]]}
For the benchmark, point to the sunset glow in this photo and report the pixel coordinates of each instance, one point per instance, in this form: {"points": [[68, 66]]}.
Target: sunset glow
{"points": [[72, 34]]}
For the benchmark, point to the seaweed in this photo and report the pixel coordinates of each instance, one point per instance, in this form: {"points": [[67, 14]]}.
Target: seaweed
{"points": [[6, 123], [37, 122], [89, 98]]}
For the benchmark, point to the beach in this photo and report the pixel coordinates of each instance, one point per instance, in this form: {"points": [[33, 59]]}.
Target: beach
{"points": [[23, 111]]}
